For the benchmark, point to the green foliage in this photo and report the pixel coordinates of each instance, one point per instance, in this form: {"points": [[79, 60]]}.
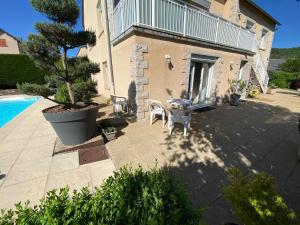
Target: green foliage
{"points": [[255, 201], [83, 92], [35, 89], [285, 53], [283, 79], [129, 197], [17, 69], [237, 86], [66, 11], [49, 50], [254, 92], [291, 66]]}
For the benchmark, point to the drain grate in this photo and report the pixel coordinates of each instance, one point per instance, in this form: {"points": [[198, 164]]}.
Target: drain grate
{"points": [[92, 154]]}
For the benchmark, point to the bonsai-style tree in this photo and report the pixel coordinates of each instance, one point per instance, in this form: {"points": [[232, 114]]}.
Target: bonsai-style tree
{"points": [[49, 50]]}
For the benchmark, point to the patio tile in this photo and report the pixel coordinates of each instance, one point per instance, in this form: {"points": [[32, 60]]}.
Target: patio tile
{"points": [[28, 171], [40, 141], [100, 171], [63, 162], [11, 146], [3, 172], [8, 158], [74, 179], [32, 190], [34, 153]]}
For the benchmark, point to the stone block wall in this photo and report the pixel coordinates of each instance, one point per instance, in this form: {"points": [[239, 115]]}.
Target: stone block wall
{"points": [[137, 94]]}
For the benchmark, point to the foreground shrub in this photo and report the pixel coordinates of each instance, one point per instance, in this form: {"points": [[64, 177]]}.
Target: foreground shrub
{"points": [[129, 197], [255, 201]]}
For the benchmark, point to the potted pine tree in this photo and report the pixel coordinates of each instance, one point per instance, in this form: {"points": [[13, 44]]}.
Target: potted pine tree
{"points": [[74, 116]]}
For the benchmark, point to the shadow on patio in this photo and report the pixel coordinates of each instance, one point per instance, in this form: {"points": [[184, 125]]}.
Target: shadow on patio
{"points": [[253, 137]]}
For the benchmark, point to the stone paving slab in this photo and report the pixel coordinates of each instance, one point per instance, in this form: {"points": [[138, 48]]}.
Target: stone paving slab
{"points": [[260, 135], [27, 168]]}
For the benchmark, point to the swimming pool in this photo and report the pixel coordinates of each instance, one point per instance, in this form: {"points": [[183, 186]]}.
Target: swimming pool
{"points": [[11, 107]]}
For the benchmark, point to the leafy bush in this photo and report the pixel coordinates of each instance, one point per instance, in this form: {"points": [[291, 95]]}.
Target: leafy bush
{"points": [[237, 86], [18, 69], [291, 65], [254, 92], [129, 197], [83, 91], [255, 201], [283, 79]]}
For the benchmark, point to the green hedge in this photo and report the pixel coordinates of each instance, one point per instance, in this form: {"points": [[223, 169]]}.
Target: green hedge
{"points": [[283, 79], [18, 69], [129, 197]]}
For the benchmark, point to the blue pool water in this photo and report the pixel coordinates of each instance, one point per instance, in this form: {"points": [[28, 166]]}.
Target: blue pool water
{"points": [[11, 107]]}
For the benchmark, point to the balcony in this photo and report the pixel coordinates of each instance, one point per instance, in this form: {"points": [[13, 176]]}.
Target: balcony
{"points": [[180, 19]]}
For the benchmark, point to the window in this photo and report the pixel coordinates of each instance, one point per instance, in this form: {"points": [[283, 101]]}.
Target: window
{"points": [[105, 75], [263, 39], [99, 16], [3, 43], [250, 24], [240, 74]]}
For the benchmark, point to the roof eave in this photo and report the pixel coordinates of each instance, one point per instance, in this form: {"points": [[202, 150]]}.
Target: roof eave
{"points": [[264, 12]]}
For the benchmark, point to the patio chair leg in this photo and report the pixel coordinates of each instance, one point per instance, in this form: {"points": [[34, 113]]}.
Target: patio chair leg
{"points": [[151, 115], [185, 131]]}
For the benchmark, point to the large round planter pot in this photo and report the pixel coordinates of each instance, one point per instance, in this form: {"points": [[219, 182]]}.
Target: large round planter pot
{"points": [[235, 99], [73, 128]]}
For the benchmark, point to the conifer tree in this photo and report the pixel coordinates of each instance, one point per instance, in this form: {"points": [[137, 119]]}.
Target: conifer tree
{"points": [[49, 50]]}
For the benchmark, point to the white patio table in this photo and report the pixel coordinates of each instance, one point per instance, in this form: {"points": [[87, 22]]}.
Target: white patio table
{"points": [[179, 112], [179, 103]]}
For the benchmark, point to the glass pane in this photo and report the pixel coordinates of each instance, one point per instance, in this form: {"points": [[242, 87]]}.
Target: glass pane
{"points": [[204, 86]]}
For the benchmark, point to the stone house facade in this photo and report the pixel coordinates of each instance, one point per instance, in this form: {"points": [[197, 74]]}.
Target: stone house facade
{"points": [[158, 49]]}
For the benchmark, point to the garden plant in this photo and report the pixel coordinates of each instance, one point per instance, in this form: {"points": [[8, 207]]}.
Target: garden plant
{"points": [[255, 201], [70, 76], [134, 197]]}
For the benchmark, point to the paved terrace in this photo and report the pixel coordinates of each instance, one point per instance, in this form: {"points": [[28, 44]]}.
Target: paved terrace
{"points": [[259, 135], [27, 168]]}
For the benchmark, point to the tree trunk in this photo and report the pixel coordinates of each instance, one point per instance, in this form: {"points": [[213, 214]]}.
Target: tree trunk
{"points": [[68, 83]]}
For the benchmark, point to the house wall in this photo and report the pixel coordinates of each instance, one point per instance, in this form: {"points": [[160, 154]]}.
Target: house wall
{"points": [[94, 20], [165, 82], [261, 22], [12, 45]]}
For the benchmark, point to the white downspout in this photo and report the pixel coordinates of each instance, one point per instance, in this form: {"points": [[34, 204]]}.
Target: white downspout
{"points": [[110, 64]]}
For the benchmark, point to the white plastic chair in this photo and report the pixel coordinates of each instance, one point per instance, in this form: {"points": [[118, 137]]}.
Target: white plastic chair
{"points": [[156, 108], [181, 116], [119, 104]]}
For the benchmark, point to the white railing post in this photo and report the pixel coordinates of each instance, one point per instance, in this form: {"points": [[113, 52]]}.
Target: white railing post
{"points": [[217, 30], [122, 19], [184, 20], [137, 8], [238, 39], [153, 13]]}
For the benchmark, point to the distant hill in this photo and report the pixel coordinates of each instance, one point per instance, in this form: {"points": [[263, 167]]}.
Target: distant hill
{"points": [[285, 53]]}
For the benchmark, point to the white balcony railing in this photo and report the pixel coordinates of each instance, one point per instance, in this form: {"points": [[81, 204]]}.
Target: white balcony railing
{"points": [[174, 17]]}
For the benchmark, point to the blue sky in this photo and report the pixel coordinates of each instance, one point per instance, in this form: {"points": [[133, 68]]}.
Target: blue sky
{"points": [[18, 18]]}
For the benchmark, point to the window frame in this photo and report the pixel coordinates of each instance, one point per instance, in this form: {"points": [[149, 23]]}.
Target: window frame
{"points": [[263, 38], [3, 42], [250, 21]]}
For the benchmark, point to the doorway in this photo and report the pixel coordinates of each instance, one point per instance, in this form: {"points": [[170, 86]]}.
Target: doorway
{"points": [[199, 81]]}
